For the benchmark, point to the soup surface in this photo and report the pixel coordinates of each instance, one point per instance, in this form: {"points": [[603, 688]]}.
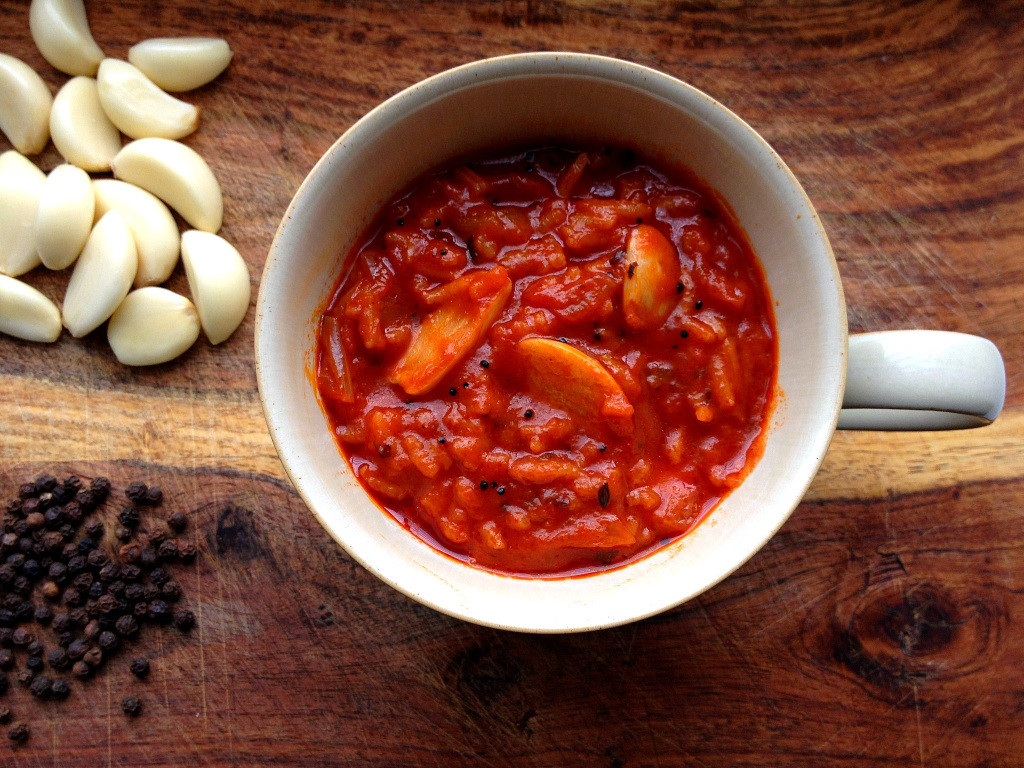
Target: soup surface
{"points": [[550, 362]]}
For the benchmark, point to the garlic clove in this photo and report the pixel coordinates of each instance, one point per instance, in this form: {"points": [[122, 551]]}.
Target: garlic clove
{"points": [[138, 107], [64, 216], [26, 313], [102, 277], [152, 226], [152, 326], [21, 184], [80, 129], [218, 280], [181, 63], [61, 33], [25, 102], [177, 175]]}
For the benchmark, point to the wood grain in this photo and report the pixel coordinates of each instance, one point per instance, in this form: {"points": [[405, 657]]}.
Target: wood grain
{"points": [[878, 627]]}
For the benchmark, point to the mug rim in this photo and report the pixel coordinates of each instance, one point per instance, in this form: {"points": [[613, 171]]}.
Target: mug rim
{"points": [[602, 68]]}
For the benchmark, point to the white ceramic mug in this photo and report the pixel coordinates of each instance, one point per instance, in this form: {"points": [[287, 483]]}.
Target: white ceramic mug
{"points": [[914, 379]]}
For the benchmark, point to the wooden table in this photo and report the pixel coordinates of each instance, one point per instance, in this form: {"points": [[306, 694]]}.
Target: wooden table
{"points": [[880, 626]]}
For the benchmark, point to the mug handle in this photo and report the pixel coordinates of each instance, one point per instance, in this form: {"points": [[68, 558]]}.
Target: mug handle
{"points": [[922, 380]]}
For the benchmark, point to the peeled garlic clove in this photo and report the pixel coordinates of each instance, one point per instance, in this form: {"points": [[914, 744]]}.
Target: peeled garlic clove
{"points": [[61, 32], [64, 216], [151, 224], [219, 281], [80, 129], [152, 325], [138, 107], [177, 175], [181, 63], [25, 103], [102, 276], [26, 313], [21, 183]]}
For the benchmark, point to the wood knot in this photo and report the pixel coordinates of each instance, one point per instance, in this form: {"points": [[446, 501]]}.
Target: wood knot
{"points": [[900, 638], [488, 685], [236, 533]]}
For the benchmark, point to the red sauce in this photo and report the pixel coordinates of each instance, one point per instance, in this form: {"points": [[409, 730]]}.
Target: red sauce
{"points": [[550, 362]]}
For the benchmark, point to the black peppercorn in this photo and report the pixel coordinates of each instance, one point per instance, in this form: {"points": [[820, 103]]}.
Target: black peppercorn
{"points": [[7, 617], [18, 733], [141, 610], [177, 521], [528, 414], [148, 558], [60, 689], [153, 496], [126, 626], [187, 551], [128, 517], [158, 611], [501, 490], [77, 650], [64, 639], [22, 637], [100, 486], [171, 591], [168, 550], [57, 572], [485, 363], [94, 529], [31, 569], [151, 591], [131, 706], [134, 592], [83, 581], [79, 616], [87, 500], [92, 630], [35, 648], [73, 512], [116, 588], [136, 491], [24, 612], [453, 391], [140, 667], [58, 658], [184, 619], [98, 558], [34, 664], [96, 589], [40, 687], [130, 572], [108, 641], [93, 657], [61, 622], [44, 614], [483, 485], [110, 572], [54, 517], [76, 564]]}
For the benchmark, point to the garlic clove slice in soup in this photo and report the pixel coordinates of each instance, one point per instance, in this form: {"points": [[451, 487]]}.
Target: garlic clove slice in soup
{"points": [[564, 376]]}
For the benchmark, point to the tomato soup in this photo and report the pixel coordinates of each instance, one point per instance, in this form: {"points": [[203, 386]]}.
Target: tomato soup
{"points": [[550, 362]]}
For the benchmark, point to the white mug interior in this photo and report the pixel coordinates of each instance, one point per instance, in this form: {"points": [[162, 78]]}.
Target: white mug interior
{"points": [[511, 101]]}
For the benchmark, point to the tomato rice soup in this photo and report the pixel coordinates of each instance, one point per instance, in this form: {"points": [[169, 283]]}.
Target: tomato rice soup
{"points": [[552, 361]]}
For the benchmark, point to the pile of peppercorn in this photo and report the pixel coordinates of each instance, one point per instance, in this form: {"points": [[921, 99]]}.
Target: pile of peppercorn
{"points": [[72, 595]]}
